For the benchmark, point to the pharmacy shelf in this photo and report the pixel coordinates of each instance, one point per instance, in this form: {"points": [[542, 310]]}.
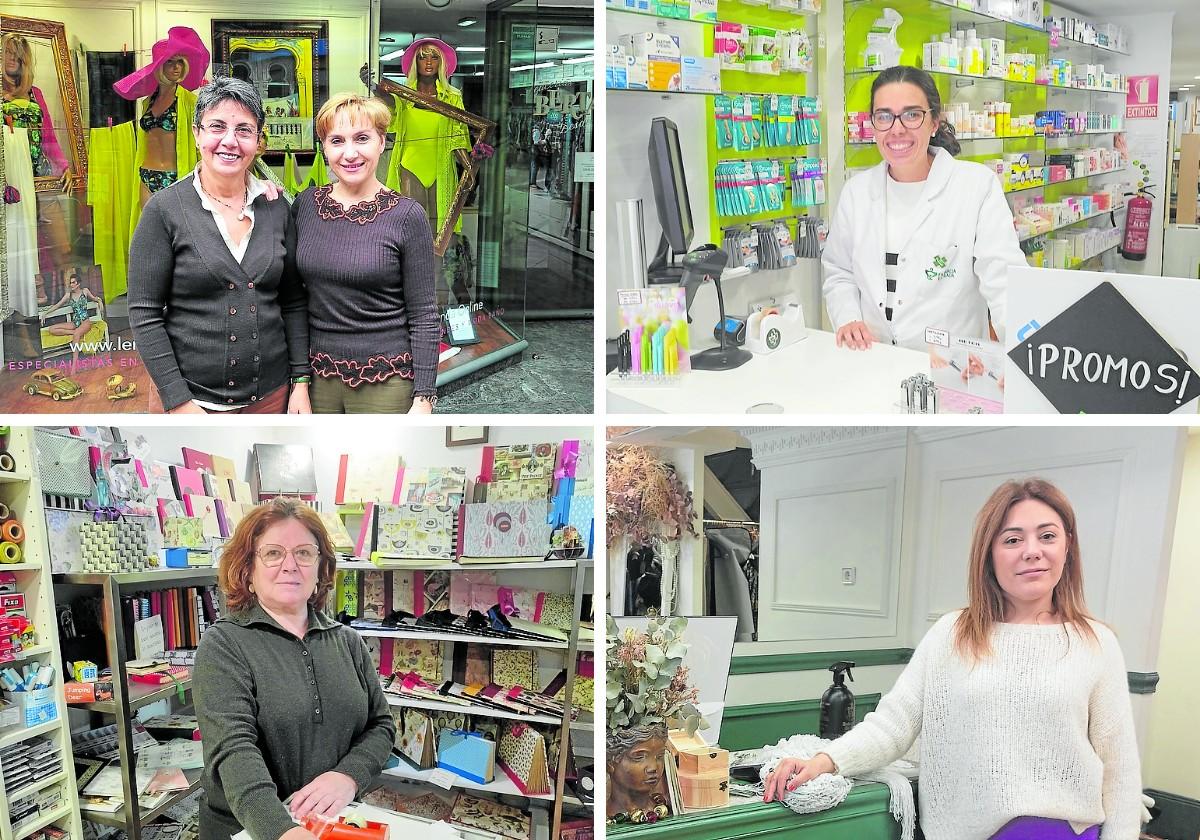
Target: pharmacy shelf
{"points": [[25, 733], [637, 13], [1075, 222], [462, 637], [668, 92], [1064, 181], [433, 565], [1077, 263], [958, 17], [473, 710], [1072, 43], [502, 784], [964, 138], [943, 74]]}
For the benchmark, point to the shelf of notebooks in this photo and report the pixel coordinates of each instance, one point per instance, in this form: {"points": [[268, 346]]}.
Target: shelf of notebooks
{"points": [[35, 741], [450, 565], [479, 711]]}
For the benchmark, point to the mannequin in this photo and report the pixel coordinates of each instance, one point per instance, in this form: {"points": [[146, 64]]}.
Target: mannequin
{"points": [[24, 102], [166, 148], [422, 163]]}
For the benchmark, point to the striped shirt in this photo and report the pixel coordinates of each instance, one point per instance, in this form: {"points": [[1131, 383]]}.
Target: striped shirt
{"points": [[902, 198]]}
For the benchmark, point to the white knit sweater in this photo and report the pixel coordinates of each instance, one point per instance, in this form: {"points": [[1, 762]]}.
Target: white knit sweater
{"points": [[1042, 728]]}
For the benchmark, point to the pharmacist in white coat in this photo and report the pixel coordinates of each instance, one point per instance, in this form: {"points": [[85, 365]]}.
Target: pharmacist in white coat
{"points": [[921, 240]]}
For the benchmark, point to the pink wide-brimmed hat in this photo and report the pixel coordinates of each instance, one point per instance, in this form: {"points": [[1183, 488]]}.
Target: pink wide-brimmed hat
{"points": [[448, 54], [181, 40]]}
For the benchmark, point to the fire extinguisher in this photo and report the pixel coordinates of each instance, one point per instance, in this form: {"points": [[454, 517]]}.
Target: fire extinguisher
{"points": [[1137, 225]]}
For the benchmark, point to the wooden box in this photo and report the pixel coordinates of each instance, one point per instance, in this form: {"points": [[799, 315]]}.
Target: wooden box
{"points": [[696, 757], [704, 790]]}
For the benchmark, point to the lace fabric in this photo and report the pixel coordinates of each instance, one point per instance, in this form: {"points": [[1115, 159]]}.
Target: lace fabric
{"points": [[364, 212]]}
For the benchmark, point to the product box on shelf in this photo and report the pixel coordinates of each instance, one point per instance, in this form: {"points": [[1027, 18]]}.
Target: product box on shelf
{"points": [[701, 75], [655, 58], [616, 68], [88, 692], [36, 706]]}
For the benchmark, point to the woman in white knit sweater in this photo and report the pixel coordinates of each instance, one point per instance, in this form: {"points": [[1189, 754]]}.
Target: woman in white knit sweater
{"points": [[1022, 698]]}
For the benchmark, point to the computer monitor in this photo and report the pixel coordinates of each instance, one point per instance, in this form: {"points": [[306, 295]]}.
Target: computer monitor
{"points": [[671, 198]]}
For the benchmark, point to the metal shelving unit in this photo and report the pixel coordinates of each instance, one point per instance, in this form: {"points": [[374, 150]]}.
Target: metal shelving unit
{"points": [[127, 698], [580, 570], [21, 491]]}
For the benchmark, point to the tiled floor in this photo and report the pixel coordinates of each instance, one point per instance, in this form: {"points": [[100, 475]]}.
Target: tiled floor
{"points": [[554, 376]]}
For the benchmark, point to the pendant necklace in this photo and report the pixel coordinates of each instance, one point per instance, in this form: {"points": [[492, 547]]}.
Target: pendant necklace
{"points": [[241, 211]]}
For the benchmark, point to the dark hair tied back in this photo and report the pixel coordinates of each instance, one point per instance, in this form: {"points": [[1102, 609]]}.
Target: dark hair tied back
{"points": [[944, 137]]}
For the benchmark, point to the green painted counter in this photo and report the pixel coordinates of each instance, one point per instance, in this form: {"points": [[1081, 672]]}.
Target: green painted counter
{"points": [[864, 815]]}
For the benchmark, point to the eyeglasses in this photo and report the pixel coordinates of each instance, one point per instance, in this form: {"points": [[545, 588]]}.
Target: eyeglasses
{"points": [[304, 555], [216, 128], [909, 118]]}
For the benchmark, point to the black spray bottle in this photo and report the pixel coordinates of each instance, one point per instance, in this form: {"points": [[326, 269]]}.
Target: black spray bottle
{"points": [[837, 703]]}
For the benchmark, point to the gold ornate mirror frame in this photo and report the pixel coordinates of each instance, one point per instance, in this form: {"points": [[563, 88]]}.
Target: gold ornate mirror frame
{"points": [[479, 129], [56, 34]]}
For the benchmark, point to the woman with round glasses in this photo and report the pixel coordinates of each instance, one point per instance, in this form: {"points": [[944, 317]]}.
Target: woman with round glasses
{"points": [[219, 323], [921, 240], [287, 699]]}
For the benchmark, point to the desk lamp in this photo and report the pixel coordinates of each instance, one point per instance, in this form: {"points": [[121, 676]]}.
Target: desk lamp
{"points": [[706, 263]]}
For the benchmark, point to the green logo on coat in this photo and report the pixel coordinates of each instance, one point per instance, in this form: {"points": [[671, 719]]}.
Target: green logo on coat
{"points": [[939, 270]]}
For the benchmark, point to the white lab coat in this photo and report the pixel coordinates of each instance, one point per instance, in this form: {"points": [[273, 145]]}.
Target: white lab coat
{"points": [[953, 269]]}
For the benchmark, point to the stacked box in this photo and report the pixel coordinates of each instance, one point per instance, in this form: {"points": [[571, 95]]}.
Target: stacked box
{"points": [[113, 546]]}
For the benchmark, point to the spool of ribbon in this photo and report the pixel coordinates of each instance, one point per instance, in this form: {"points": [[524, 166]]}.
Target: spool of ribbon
{"points": [[7, 462], [10, 553], [11, 531], [5, 513]]}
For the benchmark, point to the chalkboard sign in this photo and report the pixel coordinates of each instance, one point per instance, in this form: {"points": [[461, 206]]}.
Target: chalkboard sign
{"points": [[1100, 356]]}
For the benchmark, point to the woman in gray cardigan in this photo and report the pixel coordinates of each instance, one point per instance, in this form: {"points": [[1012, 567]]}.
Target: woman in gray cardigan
{"points": [[219, 316], [289, 705]]}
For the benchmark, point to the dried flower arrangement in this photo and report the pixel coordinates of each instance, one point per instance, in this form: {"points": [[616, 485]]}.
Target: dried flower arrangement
{"points": [[647, 680], [645, 497]]}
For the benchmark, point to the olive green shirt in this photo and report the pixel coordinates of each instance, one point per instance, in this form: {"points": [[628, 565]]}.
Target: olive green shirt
{"points": [[276, 711]]}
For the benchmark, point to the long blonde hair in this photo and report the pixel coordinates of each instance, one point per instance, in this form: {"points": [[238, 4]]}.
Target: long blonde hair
{"points": [[442, 79], [160, 76], [24, 82], [985, 598]]}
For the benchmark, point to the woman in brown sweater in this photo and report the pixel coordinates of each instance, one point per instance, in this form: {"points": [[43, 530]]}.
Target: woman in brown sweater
{"points": [[365, 254]]}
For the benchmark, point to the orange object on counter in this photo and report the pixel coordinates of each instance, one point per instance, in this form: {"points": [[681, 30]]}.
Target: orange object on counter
{"points": [[324, 829]]}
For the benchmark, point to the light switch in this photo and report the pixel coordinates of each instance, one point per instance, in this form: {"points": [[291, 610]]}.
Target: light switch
{"points": [[848, 574]]}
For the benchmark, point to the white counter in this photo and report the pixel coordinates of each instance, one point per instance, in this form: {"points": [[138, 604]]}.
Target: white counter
{"points": [[813, 376]]}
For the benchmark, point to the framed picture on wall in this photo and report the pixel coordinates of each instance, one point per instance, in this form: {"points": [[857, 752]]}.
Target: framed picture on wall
{"points": [[466, 435], [287, 61]]}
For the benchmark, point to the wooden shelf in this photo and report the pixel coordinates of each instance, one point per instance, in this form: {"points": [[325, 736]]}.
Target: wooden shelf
{"points": [[41, 821], [29, 653], [33, 787]]}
